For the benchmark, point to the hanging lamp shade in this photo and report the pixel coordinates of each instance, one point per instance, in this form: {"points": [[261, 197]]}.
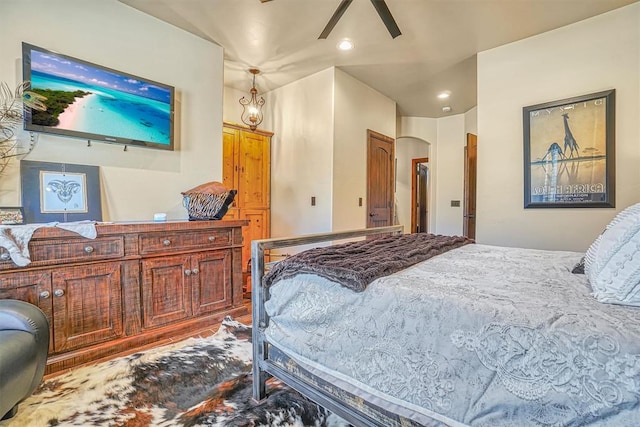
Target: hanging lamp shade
{"points": [[252, 107]]}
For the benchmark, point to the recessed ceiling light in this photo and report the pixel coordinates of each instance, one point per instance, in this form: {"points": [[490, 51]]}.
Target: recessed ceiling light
{"points": [[446, 109], [444, 95], [345, 44]]}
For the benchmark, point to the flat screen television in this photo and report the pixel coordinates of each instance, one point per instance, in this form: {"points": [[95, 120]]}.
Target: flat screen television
{"points": [[97, 103]]}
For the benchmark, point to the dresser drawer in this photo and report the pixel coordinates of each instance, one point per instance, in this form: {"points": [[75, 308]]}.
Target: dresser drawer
{"points": [[173, 242], [74, 250]]}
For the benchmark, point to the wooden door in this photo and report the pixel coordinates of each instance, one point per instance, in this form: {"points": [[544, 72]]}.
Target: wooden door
{"points": [[230, 141], [247, 168], [87, 305], [232, 213], [423, 173], [166, 290], [419, 199], [257, 229], [32, 287], [211, 281], [380, 179], [254, 171], [470, 172]]}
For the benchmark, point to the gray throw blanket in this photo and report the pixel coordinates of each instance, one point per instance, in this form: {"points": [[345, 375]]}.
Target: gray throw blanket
{"points": [[354, 265]]}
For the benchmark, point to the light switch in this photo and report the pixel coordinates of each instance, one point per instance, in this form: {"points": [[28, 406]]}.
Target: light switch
{"points": [[455, 203]]}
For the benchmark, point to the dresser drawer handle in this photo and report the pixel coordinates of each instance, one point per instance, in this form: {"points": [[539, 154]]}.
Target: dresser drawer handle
{"points": [[166, 242], [45, 294], [5, 256], [187, 272], [88, 249], [212, 238], [58, 292], [195, 271]]}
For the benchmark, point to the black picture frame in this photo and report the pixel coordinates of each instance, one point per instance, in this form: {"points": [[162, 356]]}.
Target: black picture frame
{"points": [[569, 152], [11, 215], [60, 192]]}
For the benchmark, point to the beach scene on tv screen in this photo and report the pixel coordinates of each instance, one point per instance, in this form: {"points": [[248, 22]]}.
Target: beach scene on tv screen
{"points": [[92, 100]]}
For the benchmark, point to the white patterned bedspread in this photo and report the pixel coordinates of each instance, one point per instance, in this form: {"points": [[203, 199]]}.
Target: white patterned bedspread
{"points": [[480, 336]]}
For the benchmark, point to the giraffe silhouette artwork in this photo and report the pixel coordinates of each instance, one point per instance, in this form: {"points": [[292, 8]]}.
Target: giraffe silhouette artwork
{"points": [[553, 156], [569, 140], [554, 152], [574, 168]]}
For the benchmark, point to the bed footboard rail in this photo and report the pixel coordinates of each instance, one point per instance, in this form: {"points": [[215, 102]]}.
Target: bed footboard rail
{"points": [[260, 295]]}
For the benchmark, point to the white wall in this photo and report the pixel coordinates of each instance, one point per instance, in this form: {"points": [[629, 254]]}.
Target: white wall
{"points": [[319, 150], [407, 149], [590, 56], [418, 127], [301, 116], [139, 182], [357, 108], [425, 129], [446, 137], [231, 108], [450, 181], [471, 121]]}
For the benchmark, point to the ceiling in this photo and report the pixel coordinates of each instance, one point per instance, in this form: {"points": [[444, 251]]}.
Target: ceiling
{"points": [[436, 51]]}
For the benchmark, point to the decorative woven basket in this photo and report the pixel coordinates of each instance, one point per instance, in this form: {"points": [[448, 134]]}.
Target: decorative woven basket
{"points": [[208, 201]]}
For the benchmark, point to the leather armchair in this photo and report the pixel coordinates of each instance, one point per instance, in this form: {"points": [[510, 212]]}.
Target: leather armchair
{"points": [[24, 343]]}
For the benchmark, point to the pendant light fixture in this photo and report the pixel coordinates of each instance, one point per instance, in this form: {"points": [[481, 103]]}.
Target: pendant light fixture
{"points": [[252, 108]]}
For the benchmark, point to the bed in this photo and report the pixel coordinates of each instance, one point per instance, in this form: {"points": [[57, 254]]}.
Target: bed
{"points": [[475, 336]]}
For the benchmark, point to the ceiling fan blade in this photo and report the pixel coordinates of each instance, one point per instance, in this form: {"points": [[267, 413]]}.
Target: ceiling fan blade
{"points": [[342, 7], [387, 18]]}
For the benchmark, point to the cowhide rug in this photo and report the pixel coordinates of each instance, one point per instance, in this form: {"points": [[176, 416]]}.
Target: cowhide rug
{"points": [[197, 382]]}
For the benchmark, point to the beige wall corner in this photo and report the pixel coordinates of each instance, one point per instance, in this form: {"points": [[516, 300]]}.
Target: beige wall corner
{"points": [[139, 182], [590, 56]]}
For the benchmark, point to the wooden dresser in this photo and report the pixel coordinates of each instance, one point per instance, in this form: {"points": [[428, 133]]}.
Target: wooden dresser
{"points": [[134, 285]]}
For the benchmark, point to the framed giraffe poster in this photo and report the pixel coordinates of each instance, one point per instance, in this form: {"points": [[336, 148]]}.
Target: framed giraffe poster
{"points": [[569, 152]]}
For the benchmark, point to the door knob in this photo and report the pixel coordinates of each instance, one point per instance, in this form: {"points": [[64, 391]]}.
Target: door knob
{"points": [[372, 214], [58, 292]]}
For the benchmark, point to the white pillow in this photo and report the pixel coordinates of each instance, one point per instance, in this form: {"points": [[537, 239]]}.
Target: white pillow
{"points": [[614, 273], [590, 255], [625, 215]]}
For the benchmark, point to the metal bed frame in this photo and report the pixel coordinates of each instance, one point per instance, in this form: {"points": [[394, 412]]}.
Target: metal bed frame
{"points": [[268, 360]]}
